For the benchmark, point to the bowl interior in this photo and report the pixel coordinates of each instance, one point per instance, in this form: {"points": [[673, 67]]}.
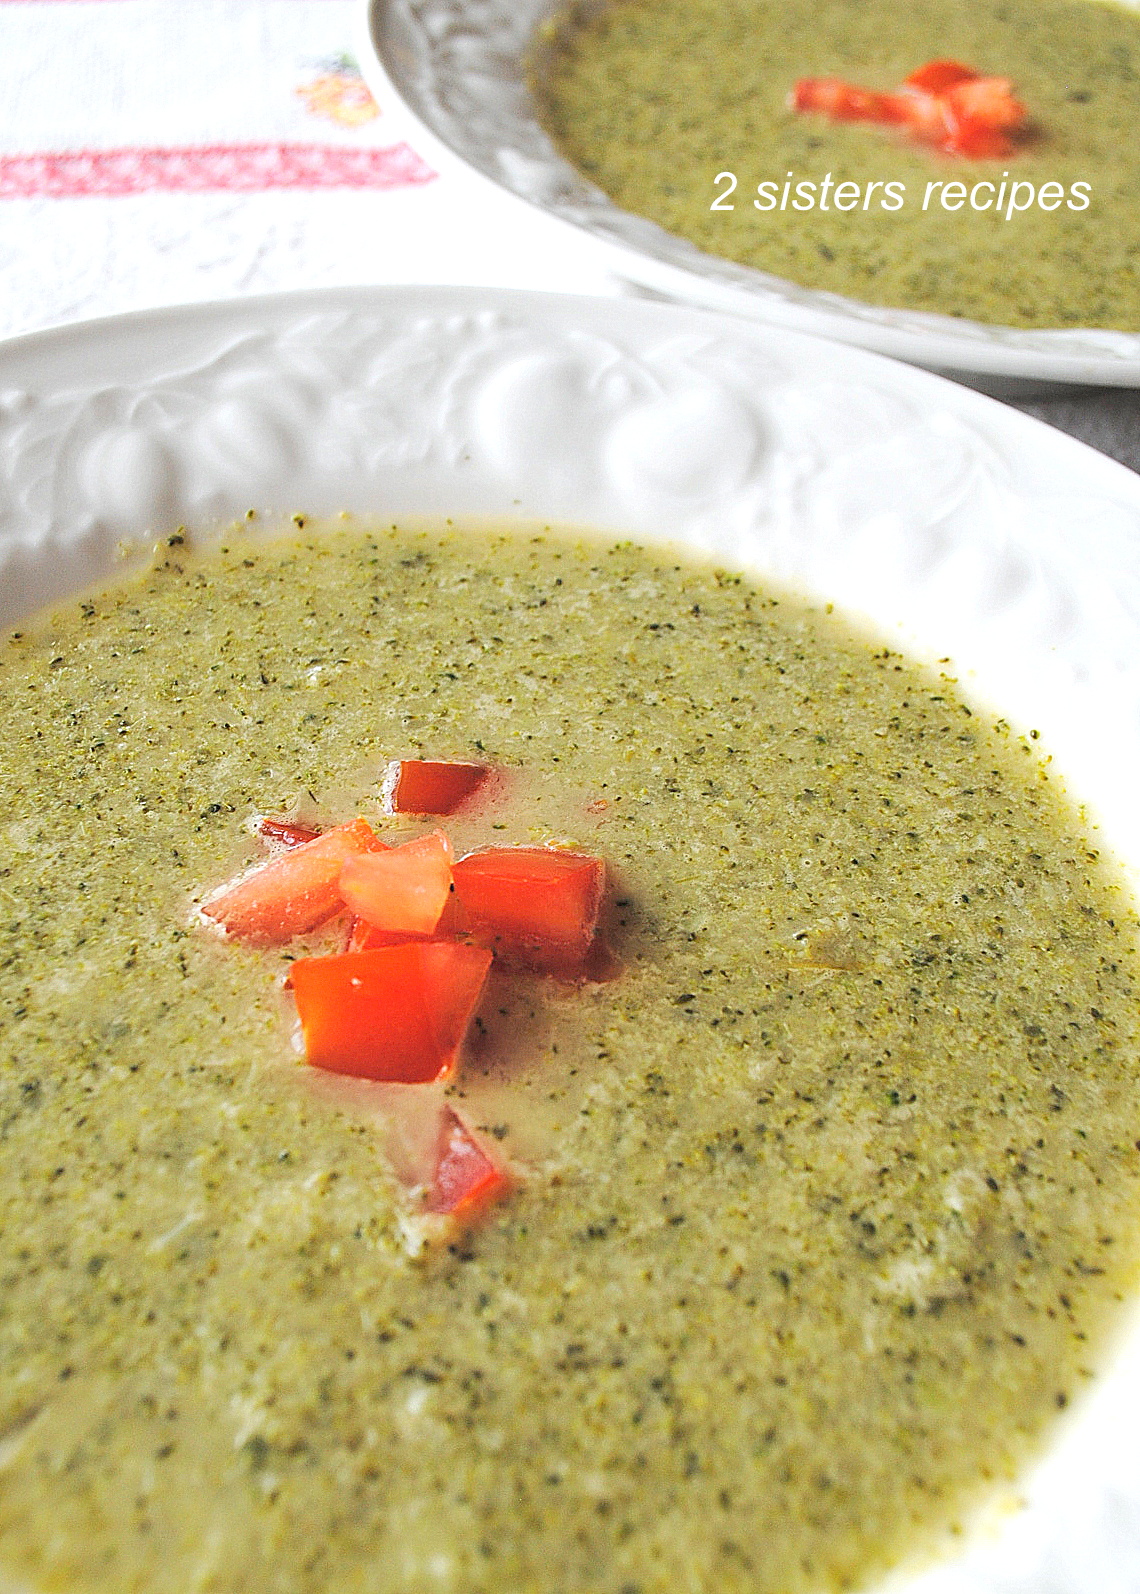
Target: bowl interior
{"points": [[959, 530]]}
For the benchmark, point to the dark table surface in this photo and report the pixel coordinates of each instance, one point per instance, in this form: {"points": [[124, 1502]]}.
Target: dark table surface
{"points": [[1106, 418]]}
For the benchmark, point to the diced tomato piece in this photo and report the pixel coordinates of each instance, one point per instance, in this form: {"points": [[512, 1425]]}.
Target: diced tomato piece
{"points": [[420, 786], [403, 890], [362, 937], [979, 142], [284, 833], [947, 121], [987, 99], [986, 102], [397, 1013], [937, 76], [292, 893], [845, 102], [928, 117], [466, 1177], [536, 906], [972, 117]]}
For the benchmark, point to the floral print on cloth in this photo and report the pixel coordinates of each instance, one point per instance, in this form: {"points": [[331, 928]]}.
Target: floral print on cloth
{"points": [[339, 93]]}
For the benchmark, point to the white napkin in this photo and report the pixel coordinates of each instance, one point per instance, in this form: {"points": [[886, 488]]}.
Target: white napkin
{"points": [[157, 151]]}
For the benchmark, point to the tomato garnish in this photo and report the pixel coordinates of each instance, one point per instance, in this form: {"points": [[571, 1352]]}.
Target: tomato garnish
{"points": [[466, 1177], [944, 103], [362, 936], [987, 101], [536, 906], [928, 116], [421, 786], [938, 76], [284, 832], [983, 112], [397, 1013], [422, 933], [844, 102], [978, 142], [403, 890], [292, 893]]}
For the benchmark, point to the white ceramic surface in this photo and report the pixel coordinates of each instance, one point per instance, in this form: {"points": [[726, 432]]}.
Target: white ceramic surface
{"points": [[456, 67], [955, 527]]}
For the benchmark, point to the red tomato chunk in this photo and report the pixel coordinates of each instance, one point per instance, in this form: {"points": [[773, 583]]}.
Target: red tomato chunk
{"points": [[402, 891], [419, 786], [980, 116], [938, 76], [943, 103], [362, 937], [535, 906], [987, 102], [466, 1177], [397, 1013], [293, 893], [284, 832], [844, 102]]}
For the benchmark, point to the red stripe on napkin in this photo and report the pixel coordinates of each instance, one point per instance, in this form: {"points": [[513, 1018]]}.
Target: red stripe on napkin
{"points": [[239, 168]]}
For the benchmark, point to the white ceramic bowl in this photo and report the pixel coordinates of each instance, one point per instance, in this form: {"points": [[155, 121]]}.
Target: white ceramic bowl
{"points": [[955, 527], [455, 67]]}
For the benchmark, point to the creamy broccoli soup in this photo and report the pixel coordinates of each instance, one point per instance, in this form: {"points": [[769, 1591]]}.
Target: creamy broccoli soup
{"points": [[824, 1204], [652, 99]]}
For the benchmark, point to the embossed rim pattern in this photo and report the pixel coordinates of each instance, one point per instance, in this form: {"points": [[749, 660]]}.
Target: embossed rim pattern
{"points": [[454, 66], [955, 527]]}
